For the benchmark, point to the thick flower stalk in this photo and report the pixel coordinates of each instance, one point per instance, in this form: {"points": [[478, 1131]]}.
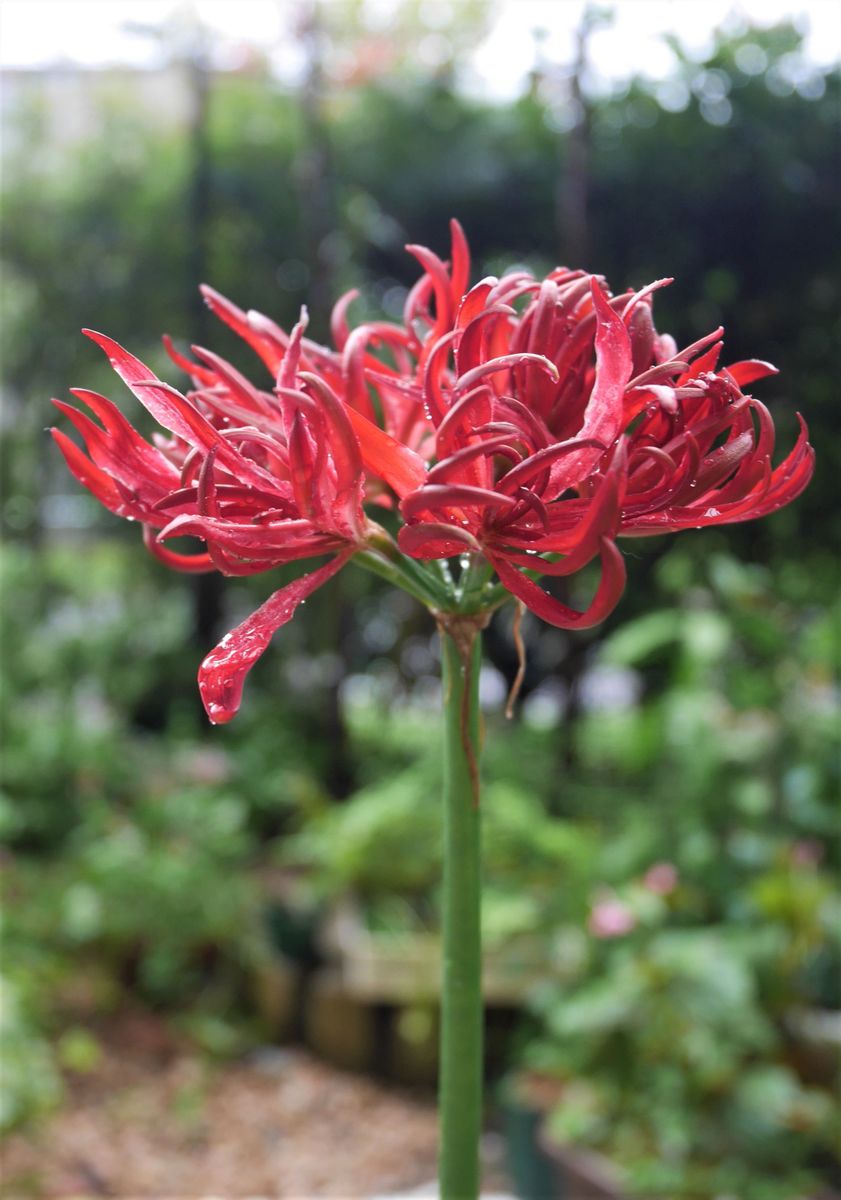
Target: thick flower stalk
{"points": [[519, 427]]}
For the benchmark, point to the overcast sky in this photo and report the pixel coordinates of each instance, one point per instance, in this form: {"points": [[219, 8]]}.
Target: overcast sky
{"points": [[93, 32]]}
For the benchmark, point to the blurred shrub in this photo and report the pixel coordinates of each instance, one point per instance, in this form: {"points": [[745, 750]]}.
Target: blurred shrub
{"points": [[80, 658], [668, 1062], [702, 734], [385, 842], [139, 896], [31, 1082], [99, 705]]}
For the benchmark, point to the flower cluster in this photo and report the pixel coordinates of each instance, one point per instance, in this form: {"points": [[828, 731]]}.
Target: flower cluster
{"points": [[523, 423]]}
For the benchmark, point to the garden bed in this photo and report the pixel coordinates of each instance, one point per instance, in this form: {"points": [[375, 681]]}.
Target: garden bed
{"points": [[154, 1119]]}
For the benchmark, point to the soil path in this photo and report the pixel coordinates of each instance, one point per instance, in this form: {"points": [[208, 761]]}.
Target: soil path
{"points": [[153, 1120]]}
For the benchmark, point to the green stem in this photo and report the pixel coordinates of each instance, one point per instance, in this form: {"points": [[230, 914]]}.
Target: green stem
{"points": [[460, 1092], [413, 581], [472, 584]]}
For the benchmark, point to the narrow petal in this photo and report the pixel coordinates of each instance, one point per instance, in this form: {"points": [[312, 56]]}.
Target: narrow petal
{"points": [[174, 411], [607, 595], [346, 455], [241, 388], [581, 542], [751, 369], [281, 540], [541, 460], [301, 467], [222, 674], [473, 303], [195, 370], [433, 390], [472, 342], [433, 497], [338, 318], [503, 363], [386, 458], [194, 564], [237, 320], [433, 539], [90, 476], [165, 404], [356, 394], [458, 464], [604, 415], [466, 415], [437, 273], [127, 441], [118, 460], [288, 370], [460, 257]]}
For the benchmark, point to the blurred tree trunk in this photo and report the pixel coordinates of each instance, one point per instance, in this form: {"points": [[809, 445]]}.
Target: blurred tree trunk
{"points": [[573, 192], [314, 170], [318, 206], [207, 589], [198, 189]]}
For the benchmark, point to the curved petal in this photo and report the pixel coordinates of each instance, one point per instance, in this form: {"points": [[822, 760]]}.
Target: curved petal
{"points": [[751, 369], [259, 403], [222, 674], [386, 458], [196, 371], [91, 477], [338, 318], [120, 451], [541, 460], [435, 496], [460, 256], [466, 415], [280, 541], [434, 539], [437, 273], [345, 453], [604, 415], [504, 362], [194, 564], [167, 406], [607, 595], [174, 411], [236, 319], [459, 464]]}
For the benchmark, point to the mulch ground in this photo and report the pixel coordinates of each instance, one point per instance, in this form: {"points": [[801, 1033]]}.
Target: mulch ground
{"points": [[154, 1120]]}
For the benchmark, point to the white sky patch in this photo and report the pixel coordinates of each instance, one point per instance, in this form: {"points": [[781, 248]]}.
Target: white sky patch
{"points": [[99, 33], [632, 41]]}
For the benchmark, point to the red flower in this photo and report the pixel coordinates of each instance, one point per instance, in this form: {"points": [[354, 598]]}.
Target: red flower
{"points": [[262, 478], [563, 420], [526, 422]]}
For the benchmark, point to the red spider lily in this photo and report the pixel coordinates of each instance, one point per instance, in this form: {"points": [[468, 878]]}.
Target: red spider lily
{"points": [[527, 423], [568, 421], [262, 478]]}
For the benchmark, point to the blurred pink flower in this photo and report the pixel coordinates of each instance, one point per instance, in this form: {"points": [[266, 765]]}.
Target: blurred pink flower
{"points": [[807, 853], [610, 918], [661, 878]]}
